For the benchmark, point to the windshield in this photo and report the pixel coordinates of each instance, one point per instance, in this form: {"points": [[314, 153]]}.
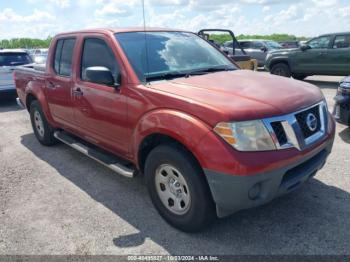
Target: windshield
{"points": [[13, 59], [170, 53], [273, 45]]}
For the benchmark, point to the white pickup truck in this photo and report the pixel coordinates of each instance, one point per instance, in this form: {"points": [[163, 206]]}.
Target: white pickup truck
{"points": [[9, 60]]}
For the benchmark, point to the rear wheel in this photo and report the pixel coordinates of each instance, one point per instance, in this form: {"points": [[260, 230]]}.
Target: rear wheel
{"points": [[42, 129], [178, 188], [281, 69]]}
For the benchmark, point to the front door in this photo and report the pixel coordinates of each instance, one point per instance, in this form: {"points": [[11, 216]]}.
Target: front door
{"points": [[59, 84], [101, 110], [313, 60]]}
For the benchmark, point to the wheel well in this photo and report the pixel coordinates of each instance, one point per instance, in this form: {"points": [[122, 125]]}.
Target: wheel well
{"points": [[29, 100], [154, 140], [278, 61]]}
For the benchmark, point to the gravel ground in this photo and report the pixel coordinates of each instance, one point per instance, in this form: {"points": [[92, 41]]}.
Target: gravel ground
{"points": [[56, 201]]}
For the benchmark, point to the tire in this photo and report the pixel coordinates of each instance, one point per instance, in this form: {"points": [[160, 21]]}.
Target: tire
{"points": [[281, 69], [42, 129], [196, 209], [299, 77]]}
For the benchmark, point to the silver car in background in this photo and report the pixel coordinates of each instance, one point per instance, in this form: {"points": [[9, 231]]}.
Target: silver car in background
{"points": [[9, 60], [256, 49]]}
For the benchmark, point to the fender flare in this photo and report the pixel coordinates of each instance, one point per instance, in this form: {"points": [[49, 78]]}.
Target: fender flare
{"points": [[184, 128], [278, 59], [38, 92]]}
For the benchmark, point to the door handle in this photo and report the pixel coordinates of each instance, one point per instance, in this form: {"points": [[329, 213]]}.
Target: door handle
{"points": [[78, 92], [51, 85]]}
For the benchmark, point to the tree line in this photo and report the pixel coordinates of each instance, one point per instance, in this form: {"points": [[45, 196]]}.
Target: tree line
{"points": [[222, 38], [27, 43]]}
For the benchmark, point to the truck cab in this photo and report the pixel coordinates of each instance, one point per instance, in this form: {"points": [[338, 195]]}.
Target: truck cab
{"points": [[209, 138]]}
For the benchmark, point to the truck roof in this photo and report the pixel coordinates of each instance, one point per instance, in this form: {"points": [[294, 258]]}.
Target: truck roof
{"points": [[122, 30], [339, 33]]}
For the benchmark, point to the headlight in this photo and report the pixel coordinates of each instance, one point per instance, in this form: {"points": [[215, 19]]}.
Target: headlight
{"points": [[268, 56], [345, 85], [246, 136]]}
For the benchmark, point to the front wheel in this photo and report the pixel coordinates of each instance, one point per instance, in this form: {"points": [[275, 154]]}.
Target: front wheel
{"points": [[281, 69], [299, 76], [41, 127], [178, 188]]}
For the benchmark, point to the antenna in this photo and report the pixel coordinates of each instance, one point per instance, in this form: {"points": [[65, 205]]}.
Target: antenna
{"points": [[144, 29]]}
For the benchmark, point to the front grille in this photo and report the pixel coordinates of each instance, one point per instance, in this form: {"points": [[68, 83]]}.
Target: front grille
{"points": [[279, 132], [302, 120], [300, 129]]}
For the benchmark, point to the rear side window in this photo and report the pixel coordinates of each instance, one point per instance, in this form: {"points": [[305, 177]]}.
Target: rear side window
{"points": [[229, 44], [14, 59], [257, 45], [342, 41], [63, 57], [96, 52], [245, 44]]}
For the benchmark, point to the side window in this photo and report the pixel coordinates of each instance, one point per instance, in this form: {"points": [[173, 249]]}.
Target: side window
{"points": [[257, 45], [245, 44], [320, 43], [96, 52], [63, 57], [229, 44], [58, 51], [342, 41], [66, 57]]}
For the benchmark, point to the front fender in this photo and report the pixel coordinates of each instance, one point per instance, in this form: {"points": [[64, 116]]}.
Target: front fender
{"points": [[274, 60], [184, 128]]}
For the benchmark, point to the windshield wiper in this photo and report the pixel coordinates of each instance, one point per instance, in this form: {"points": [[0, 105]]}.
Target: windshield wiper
{"points": [[211, 70], [177, 74], [165, 76]]}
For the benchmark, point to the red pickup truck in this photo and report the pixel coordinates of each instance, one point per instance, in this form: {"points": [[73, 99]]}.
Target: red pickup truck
{"points": [[210, 139]]}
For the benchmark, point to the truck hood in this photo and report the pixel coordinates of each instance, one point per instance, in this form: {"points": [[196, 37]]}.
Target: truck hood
{"points": [[242, 95], [284, 51]]}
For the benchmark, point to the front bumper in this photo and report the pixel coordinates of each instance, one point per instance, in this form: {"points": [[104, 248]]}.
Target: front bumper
{"points": [[232, 193], [341, 111]]}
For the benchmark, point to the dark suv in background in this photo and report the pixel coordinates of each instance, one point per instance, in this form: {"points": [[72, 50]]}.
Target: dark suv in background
{"points": [[324, 55]]}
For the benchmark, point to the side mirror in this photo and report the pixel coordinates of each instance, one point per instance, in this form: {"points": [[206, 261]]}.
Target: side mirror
{"points": [[304, 47], [101, 75], [264, 49]]}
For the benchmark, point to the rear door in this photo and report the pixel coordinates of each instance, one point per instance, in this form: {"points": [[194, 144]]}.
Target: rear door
{"points": [[339, 55], [253, 49], [8, 62], [59, 83]]}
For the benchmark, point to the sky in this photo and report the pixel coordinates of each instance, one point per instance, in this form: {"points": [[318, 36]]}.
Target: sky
{"points": [[43, 18]]}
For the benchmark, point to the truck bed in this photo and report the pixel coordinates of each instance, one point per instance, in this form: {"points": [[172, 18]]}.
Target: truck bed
{"points": [[27, 73], [32, 69]]}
